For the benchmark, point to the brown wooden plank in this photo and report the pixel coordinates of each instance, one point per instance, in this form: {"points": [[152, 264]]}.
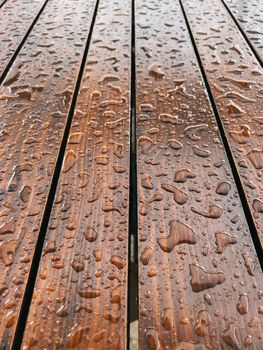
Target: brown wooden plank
{"points": [[200, 278], [249, 15], [236, 81], [34, 104], [16, 17], [80, 296]]}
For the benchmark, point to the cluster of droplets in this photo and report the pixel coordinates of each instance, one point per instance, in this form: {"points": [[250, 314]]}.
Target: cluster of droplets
{"points": [[196, 255], [34, 101], [82, 280], [236, 81]]}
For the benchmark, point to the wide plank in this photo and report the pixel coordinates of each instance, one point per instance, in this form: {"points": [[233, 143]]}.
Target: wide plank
{"points": [[200, 284], [80, 296], [34, 103], [249, 15], [16, 17], [236, 81]]}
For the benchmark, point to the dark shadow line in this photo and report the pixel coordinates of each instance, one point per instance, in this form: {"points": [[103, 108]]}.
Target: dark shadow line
{"points": [[244, 34], [3, 3], [240, 188], [18, 49], [21, 324], [132, 309]]}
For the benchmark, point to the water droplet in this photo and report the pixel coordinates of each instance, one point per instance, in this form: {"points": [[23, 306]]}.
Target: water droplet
{"points": [[180, 197], [214, 211], [147, 182], [243, 305], [183, 174], [69, 161], [146, 255], [230, 338], [202, 279], [167, 319], [7, 227], [89, 292], [223, 188], [223, 240], [152, 339], [191, 131], [118, 261], [179, 233], [201, 327], [256, 158]]}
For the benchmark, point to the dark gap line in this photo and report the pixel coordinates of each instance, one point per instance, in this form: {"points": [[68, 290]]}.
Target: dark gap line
{"points": [[243, 33], [15, 54], [240, 188], [21, 324], [1, 5], [132, 309]]}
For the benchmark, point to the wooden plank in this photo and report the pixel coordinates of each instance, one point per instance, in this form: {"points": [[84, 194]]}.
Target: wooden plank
{"points": [[235, 78], [34, 104], [80, 296], [16, 18], [200, 278], [249, 15]]}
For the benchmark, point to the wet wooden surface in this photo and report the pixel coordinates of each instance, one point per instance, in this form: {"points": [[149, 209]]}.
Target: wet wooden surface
{"points": [[80, 298], [235, 77], [249, 15], [34, 103], [200, 283], [16, 17], [199, 278]]}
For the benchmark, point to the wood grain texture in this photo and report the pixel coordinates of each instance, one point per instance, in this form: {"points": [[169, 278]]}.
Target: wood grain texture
{"points": [[80, 296], [249, 15], [199, 277], [15, 19], [236, 80], [34, 104]]}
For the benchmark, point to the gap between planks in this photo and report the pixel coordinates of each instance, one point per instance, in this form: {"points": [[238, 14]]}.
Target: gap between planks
{"points": [[18, 49], [243, 33]]}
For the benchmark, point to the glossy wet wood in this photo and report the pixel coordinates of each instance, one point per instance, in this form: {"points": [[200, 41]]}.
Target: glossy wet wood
{"points": [[16, 17], [200, 284], [34, 104], [80, 297], [249, 15], [199, 278], [236, 80]]}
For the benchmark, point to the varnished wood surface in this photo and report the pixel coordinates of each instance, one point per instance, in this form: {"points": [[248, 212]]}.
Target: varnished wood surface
{"points": [[16, 16], [34, 103], [200, 284], [249, 15], [199, 278], [236, 80], [80, 296]]}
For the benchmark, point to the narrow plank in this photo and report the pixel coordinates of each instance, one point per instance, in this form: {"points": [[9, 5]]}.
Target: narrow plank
{"points": [[34, 103], [16, 18], [200, 278], [236, 81], [249, 15], [80, 296]]}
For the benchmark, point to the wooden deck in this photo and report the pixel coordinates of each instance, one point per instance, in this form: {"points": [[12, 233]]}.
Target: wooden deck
{"points": [[132, 174]]}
